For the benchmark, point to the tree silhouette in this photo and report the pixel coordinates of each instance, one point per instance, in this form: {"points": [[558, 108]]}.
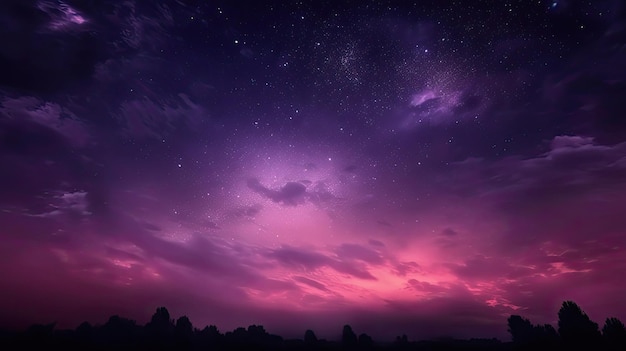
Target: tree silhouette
{"points": [[575, 327], [546, 334], [348, 338], [309, 337], [183, 332], [402, 342], [161, 321], [183, 326], [614, 334], [118, 330], [160, 329], [40, 334], [525, 335], [84, 332], [257, 333], [210, 335], [365, 342], [521, 330]]}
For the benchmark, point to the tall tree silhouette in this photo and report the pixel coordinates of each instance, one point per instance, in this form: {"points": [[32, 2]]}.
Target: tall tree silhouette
{"points": [[521, 330], [160, 329], [575, 327], [614, 334], [309, 337], [348, 338], [161, 320], [184, 326], [183, 332]]}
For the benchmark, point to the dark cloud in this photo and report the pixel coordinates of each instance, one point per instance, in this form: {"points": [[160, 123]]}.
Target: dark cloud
{"points": [[291, 194], [376, 243], [404, 268], [70, 203], [319, 193], [31, 115], [384, 223], [294, 193], [158, 119], [480, 267], [311, 260], [358, 252], [311, 282], [572, 165], [291, 256], [449, 232], [246, 211], [37, 57]]}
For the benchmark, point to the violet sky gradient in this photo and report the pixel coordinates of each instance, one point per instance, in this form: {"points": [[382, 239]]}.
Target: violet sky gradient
{"points": [[426, 168]]}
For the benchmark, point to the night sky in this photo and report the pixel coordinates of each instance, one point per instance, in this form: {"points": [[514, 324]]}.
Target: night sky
{"points": [[426, 167]]}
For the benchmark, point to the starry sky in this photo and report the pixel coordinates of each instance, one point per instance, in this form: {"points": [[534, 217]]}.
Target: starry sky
{"points": [[426, 167]]}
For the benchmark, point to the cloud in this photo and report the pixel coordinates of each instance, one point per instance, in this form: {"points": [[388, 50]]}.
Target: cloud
{"points": [[310, 282], [148, 118], [384, 223], [488, 268], [573, 166], [308, 260], [449, 232], [358, 252], [291, 194], [376, 243], [294, 193], [422, 97], [67, 50], [572, 141], [430, 291], [67, 203], [246, 211], [49, 115], [62, 16]]}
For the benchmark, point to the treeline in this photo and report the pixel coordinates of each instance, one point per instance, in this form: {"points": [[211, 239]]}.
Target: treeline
{"points": [[575, 332]]}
